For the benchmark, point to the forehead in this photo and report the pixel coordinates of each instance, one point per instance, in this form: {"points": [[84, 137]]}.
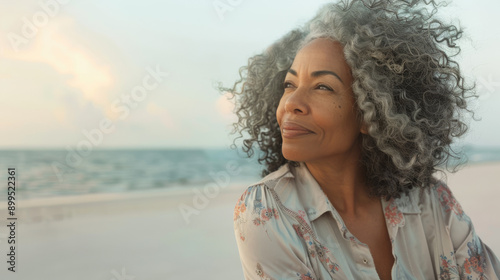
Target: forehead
{"points": [[322, 54]]}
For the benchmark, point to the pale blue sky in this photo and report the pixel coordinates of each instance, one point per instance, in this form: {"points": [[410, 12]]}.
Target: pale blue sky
{"points": [[67, 76]]}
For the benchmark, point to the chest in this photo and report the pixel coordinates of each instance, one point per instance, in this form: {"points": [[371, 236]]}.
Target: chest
{"points": [[372, 232], [364, 254]]}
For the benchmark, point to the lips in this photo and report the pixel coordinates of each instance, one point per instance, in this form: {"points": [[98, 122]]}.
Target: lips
{"points": [[293, 129]]}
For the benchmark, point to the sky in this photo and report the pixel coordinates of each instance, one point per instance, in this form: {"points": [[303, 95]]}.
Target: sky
{"points": [[141, 74]]}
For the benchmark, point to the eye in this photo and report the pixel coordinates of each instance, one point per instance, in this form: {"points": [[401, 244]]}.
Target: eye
{"points": [[326, 87], [285, 84]]}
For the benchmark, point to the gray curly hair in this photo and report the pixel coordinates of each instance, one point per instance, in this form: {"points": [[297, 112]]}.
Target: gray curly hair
{"points": [[410, 93]]}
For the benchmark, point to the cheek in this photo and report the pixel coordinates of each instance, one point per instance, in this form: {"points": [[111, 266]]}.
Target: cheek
{"points": [[334, 118], [279, 112]]}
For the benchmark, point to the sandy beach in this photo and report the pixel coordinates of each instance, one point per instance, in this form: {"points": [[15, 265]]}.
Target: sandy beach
{"points": [[146, 236]]}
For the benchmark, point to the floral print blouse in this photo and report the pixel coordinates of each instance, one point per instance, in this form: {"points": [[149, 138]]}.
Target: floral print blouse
{"points": [[286, 228]]}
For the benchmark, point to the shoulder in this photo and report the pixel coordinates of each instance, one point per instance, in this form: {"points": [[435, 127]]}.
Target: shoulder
{"points": [[439, 196], [259, 197], [260, 194], [256, 207], [440, 215], [274, 177], [260, 207], [436, 202], [266, 233]]}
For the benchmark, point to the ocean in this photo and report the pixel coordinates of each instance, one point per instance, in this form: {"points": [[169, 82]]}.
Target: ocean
{"points": [[49, 173]]}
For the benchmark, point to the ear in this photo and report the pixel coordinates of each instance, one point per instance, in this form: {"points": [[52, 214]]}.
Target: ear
{"points": [[364, 128]]}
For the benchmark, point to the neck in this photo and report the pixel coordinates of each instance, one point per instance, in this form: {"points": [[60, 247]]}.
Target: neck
{"points": [[342, 179]]}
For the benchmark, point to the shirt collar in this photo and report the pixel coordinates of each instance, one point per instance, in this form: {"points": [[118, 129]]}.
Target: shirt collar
{"points": [[299, 190], [310, 193], [407, 204]]}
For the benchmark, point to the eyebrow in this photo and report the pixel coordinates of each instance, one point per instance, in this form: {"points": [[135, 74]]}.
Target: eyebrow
{"points": [[317, 73]]}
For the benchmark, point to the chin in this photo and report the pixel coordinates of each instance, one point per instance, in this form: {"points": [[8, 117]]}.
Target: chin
{"points": [[294, 154]]}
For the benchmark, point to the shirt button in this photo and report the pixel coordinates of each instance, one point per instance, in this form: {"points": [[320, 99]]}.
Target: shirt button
{"points": [[365, 261]]}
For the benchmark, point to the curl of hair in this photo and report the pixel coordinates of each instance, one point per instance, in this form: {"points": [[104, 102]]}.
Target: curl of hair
{"points": [[409, 91]]}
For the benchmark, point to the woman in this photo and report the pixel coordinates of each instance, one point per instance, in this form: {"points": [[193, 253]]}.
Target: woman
{"points": [[354, 113]]}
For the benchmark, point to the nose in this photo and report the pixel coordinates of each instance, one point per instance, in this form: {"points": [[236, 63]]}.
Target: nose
{"points": [[296, 102]]}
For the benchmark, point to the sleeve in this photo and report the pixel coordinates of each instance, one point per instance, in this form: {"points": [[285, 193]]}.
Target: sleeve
{"points": [[474, 259], [267, 247]]}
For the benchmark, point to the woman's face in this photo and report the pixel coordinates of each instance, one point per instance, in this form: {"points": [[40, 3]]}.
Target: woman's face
{"points": [[317, 112]]}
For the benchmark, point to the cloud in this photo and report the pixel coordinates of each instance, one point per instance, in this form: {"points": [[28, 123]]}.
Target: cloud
{"points": [[161, 114], [58, 46], [225, 107]]}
